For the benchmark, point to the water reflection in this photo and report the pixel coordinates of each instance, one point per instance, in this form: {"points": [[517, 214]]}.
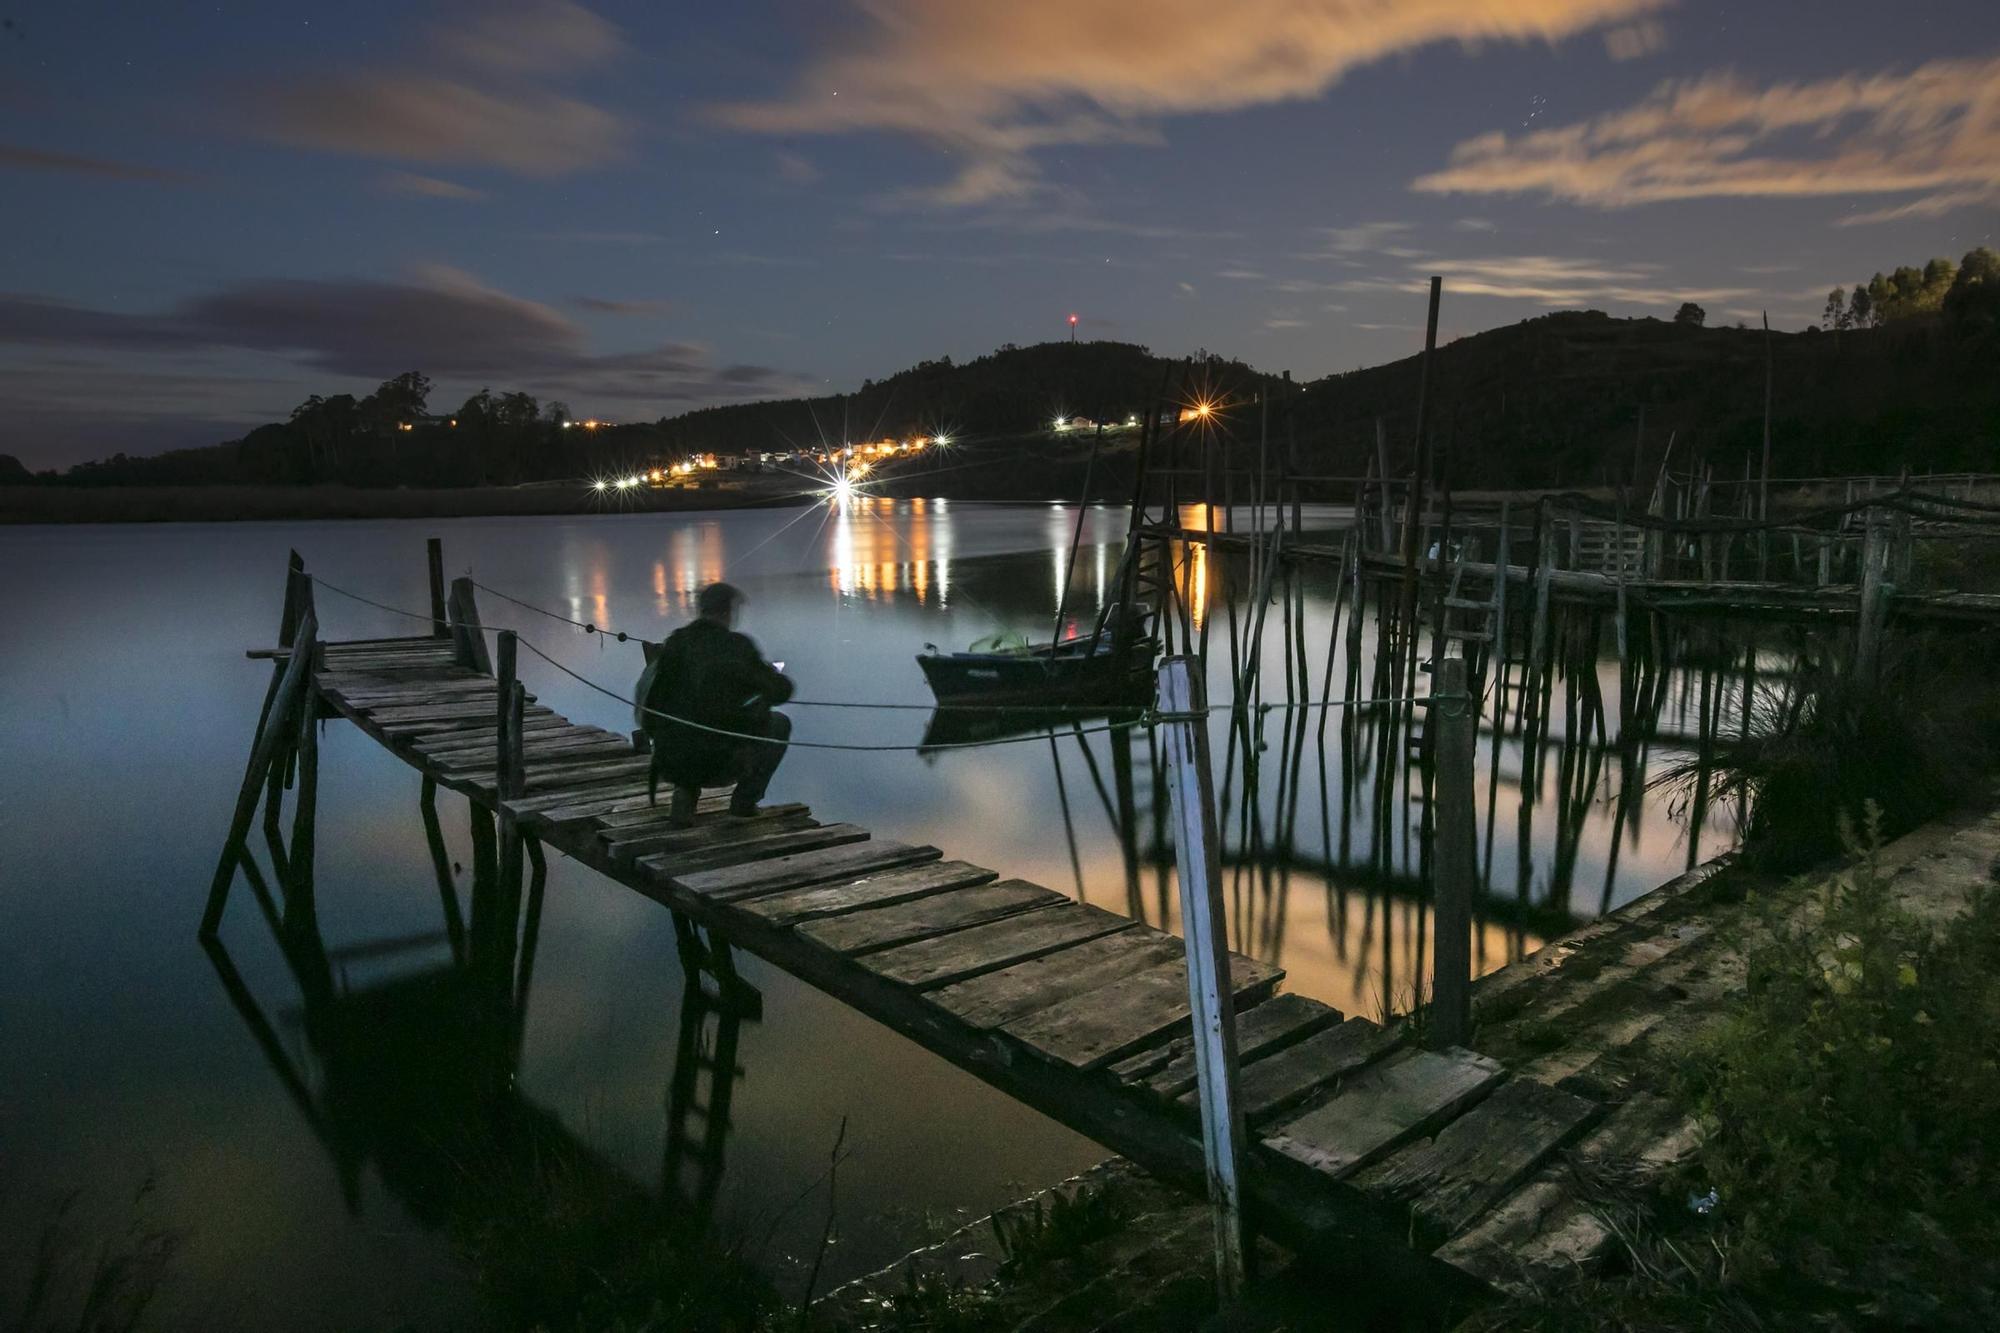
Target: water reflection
{"points": [[412, 1047]]}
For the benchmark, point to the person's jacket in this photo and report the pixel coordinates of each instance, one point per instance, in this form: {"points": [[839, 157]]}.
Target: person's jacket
{"points": [[708, 674]]}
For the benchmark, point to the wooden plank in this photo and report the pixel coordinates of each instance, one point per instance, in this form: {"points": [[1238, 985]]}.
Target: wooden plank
{"points": [[571, 774], [1090, 1030], [1384, 1106], [1003, 996], [750, 848], [438, 711], [572, 751], [543, 731], [735, 883], [588, 802], [1473, 1162], [938, 914], [667, 835], [1168, 1070], [939, 961], [466, 716], [1544, 1231], [1287, 1076], [880, 890]]}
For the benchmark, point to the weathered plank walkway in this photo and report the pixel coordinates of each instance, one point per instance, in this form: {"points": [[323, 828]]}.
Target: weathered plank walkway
{"points": [[1078, 1012]]}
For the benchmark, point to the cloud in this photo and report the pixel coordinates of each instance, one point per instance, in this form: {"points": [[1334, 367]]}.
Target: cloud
{"points": [[36, 159], [428, 119], [484, 108], [605, 305], [536, 36], [795, 170], [992, 84], [1932, 133], [425, 187], [1634, 40], [441, 320], [1476, 224], [1551, 281], [1363, 237]]}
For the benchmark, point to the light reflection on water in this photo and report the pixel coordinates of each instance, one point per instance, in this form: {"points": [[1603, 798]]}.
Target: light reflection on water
{"points": [[126, 708]]}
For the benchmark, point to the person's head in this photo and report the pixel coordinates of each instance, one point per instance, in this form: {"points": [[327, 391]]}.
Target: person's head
{"points": [[718, 602]]}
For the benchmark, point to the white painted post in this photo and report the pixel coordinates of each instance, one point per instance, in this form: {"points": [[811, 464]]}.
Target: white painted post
{"points": [[1183, 708]]}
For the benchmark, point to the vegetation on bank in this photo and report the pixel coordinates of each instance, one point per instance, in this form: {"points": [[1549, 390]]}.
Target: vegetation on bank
{"points": [[1850, 1156], [1922, 739]]}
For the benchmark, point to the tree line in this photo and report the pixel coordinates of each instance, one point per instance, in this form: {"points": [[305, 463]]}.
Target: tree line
{"points": [[1965, 293]]}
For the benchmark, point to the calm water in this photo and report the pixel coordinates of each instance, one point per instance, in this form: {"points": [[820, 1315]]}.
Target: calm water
{"points": [[126, 711]]}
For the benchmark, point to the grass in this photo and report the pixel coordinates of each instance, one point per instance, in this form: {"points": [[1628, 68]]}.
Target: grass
{"points": [[1033, 1237], [1849, 1134], [101, 1286]]}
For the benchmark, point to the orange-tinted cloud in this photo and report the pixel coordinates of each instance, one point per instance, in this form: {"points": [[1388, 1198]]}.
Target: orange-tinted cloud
{"points": [[1932, 133], [993, 82]]}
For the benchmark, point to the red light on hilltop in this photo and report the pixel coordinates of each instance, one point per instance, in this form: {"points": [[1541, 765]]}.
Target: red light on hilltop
{"points": [[1072, 319]]}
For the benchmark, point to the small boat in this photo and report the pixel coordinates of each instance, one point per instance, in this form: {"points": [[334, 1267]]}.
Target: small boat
{"points": [[950, 727], [1111, 666], [1093, 669]]}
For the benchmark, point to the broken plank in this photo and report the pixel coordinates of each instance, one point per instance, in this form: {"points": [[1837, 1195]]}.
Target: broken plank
{"points": [[878, 890], [1384, 1106], [941, 960], [1287, 1077], [734, 883], [1169, 1070], [1549, 1228], [1473, 1162], [1003, 996], [1090, 1030], [938, 914], [749, 848]]}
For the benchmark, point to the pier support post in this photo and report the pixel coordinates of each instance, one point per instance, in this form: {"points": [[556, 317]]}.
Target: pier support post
{"points": [[466, 633], [1874, 606], [294, 689], [509, 782], [1454, 723], [1184, 706], [434, 557]]}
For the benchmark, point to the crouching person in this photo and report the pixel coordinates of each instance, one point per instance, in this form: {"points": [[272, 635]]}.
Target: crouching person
{"points": [[709, 675]]}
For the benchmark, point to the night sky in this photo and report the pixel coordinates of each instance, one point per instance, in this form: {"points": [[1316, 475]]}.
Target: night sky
{"points": [[209, 211]]}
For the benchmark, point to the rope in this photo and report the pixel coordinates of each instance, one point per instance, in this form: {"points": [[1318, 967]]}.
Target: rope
{"points": [[1143, 720], [1144, 717]]}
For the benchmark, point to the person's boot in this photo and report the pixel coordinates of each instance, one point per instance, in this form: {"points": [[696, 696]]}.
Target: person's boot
{"points": [[683, 807]]}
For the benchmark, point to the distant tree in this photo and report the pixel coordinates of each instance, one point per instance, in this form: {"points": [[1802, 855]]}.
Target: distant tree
{"points": [[1861, 307], [1690, 314], [1972, 305], [516, 412], [555, 412], [477, 411], [1836, 309], [1881, 299], [1939, 275], [13, 472]]}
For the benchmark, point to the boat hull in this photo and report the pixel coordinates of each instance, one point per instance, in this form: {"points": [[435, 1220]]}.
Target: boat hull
{"points": [[1040, 680]]}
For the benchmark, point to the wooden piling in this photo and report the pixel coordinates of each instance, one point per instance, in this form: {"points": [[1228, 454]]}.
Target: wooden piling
{"points": [[1183, 705], [466, 633], [434, 558], [1874, 603], [1455, 722], [288, 701]]}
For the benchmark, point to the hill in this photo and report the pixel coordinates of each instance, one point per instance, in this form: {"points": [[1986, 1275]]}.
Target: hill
{"points": [[1557, 400]]}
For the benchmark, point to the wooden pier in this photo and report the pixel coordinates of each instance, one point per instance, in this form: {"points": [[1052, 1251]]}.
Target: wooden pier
{"points": [[1355, 1134]]}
